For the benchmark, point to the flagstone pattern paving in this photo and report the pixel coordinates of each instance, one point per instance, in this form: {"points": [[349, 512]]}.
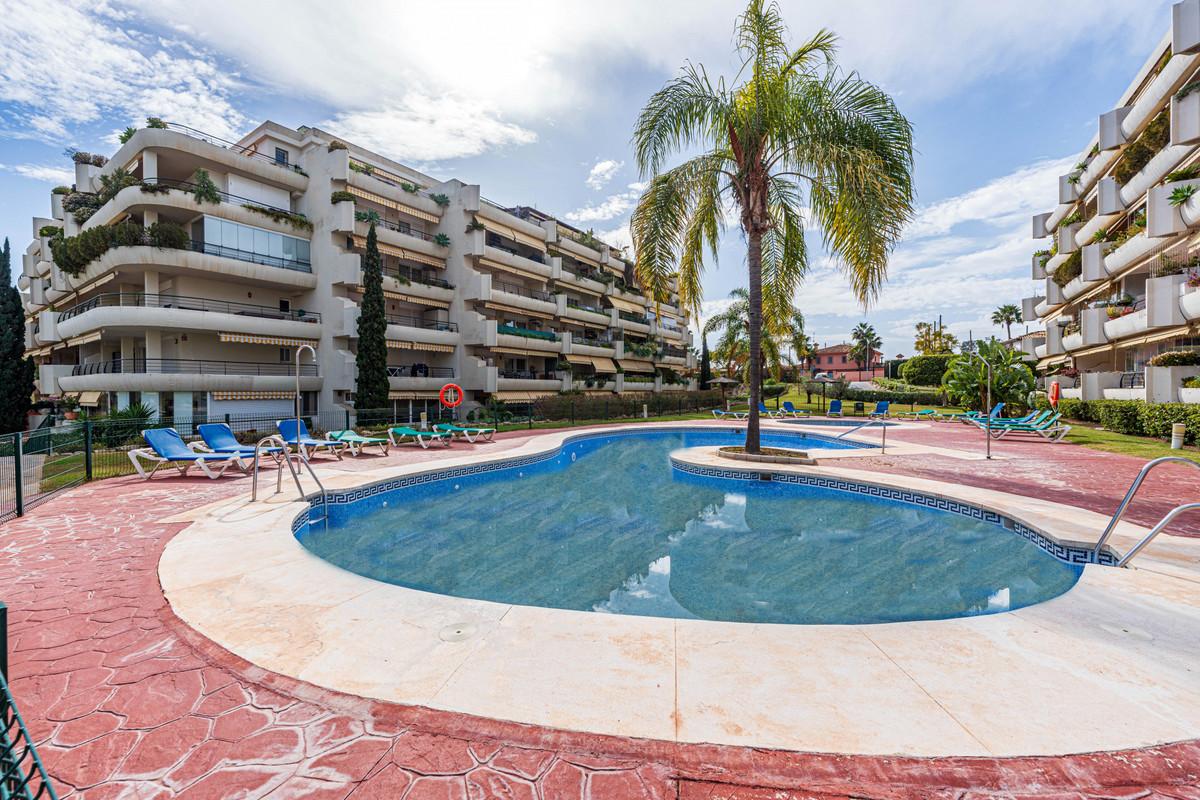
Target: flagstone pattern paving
{"points": [[125, 701]]}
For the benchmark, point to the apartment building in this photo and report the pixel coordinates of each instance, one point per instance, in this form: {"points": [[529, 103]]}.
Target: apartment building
{"points": [[222, 259], [1119, 262]]}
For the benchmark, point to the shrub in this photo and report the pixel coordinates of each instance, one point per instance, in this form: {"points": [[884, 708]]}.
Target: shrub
{"points": [[1147, 145], [112, 183], [926, 370], [1120, 416], [341, 196], [1156, 419], [922, 397], [155, 122], [772, 389], [1181, 194], [966, 379], [474, 225], [1192, 382], [169, 235], [1185, 174], [296, 220], [81, 205], [61, 190], [126, 134], [440, 199], [155, 188], [337, 145], [1069, 269], [204, 190], [365, 169], [49, 230], [411, 188], [1176, 358], [441, 239], [72, 255], [95, 159]]}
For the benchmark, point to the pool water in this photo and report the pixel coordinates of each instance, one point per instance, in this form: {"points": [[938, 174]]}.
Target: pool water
{"points": [[609, 526]]}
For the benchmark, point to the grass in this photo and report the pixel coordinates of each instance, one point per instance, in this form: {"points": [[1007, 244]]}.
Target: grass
{"points": [[1124, 444]]}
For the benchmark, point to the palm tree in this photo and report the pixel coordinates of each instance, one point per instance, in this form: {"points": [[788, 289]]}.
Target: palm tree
{"points": [[791, 141], [1006, 315], [733, 347], [866, 342]]}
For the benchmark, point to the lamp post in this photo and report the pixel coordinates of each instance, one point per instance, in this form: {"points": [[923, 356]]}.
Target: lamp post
{"points": [[300, 350], [987, 422]]}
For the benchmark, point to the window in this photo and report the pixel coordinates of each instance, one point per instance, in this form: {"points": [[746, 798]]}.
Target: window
{"points": [[285, 306], [281, 155], [285, 354], [221, 233], [199, 405]]}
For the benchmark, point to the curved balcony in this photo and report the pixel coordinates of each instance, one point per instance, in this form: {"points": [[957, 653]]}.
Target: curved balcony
{"points": [[406, 328], [1132, 251], [1158, 168], [1072, 341], [1040, 351], [131, 310], [202, 260], [1189, 302], [379, 181], [1128, 325], [177, 195], [419, 379], [183, 374]]}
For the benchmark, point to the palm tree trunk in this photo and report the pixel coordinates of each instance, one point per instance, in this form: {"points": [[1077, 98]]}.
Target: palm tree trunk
{"points": [[754, 262]]}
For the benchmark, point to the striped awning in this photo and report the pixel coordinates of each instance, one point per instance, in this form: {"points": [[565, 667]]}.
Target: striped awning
{"points": [[520, 397], [412, 395], [1092, 350], [635, 366], [426, 347], [401, 252], [624, 305], [523, 351], [580, 257], [387, 202], [253, 395], [416, 299], [1174, 333], [574, 359], [605, 365], [250, 338], [511, 232], [517, 310], [41, 351], [500, 265], [89, 399], [78, 340]]}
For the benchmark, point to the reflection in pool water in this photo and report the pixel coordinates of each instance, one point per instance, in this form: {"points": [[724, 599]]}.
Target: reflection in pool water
{"points": [[608, 526]]}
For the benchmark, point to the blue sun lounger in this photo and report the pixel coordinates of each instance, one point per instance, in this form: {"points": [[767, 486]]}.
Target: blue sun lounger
{"points": [[719, 414], [166, 446], [795, 412], [305, 443], [218, 438], [835, 408]]}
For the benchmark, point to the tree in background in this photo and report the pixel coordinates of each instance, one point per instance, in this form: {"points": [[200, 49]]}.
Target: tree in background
{"points": [[705, 366], [933, 339], [733, 348], [1007, 315], [371, 388], [791, 142], [866, 342], [966, 379], [16, 371]]}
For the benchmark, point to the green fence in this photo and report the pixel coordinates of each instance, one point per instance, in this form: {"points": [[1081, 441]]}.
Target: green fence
{"points": [[21, 772]]}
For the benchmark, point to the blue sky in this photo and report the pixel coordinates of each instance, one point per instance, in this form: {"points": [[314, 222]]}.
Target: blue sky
{"points": [[535, 102]]}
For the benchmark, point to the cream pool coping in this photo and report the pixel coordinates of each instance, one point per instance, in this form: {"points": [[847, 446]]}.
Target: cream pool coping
{"points": [[1108, 665]]}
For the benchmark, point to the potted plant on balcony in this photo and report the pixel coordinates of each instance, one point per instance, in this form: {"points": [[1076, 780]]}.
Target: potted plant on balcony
{"points": [[70, 408], [1190, 393]]}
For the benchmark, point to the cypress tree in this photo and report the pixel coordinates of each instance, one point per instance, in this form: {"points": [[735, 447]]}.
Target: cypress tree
{"points": [[16, 371], [371, 389], [705, 366]]}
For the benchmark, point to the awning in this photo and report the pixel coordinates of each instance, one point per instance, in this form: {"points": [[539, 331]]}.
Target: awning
{"points": [[604, 365], [78, 340], [248, 338], [624, 305], [520, 397], [580, 257], [524, 238], [253, 395], [89, 399], [524, 351], [636, 366], [400, 252], [412, 395], [517, 310], [500, 265], [1158, 337], [397, 345], [574, 359], [1046, 363], [429, 347], [1103, 348], [387, 202], [408, 298], [41, 351]]}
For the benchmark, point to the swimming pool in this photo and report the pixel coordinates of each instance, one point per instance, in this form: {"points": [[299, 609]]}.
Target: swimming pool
{"points": [[606, 524]]}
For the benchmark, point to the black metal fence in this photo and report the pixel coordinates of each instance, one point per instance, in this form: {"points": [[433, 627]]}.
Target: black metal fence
{"points": [[21, 772], [585, 409]]}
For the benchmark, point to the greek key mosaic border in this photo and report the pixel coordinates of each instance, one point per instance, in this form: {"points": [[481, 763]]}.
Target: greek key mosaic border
{"points": [[1063, 552]]}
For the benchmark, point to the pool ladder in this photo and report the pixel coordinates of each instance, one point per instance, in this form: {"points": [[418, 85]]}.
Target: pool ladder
{"points": [[288, 458], [867, 424], [1157, 529]]}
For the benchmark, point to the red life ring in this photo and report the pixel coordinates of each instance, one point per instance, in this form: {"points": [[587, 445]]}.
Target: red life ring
{"points": [[1055, 393], [457, 399]]}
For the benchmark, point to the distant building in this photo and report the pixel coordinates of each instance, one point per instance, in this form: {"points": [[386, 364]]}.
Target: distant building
{"points": [[837, 361]]}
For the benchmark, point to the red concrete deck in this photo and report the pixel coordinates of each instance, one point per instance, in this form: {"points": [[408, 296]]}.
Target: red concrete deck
{"points": [[127, 702]]}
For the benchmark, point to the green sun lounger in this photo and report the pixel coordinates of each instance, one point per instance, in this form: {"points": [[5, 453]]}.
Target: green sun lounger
{"points": [[358, 443], [401, 433], [471, 434]]}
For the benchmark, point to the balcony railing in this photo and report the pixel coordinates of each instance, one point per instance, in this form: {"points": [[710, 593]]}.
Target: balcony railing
{"points": [[581, 307], [1133, 380], [495, 241], [581, 274], [629, 316], [521, 291], [419, 371], [673, 352], [577, 339], [254, 258], [190, 366], [237, 148], [527, 375], [226, 197], [134, 299], [404, 273], [409, 321], [528, 333], [398, 227]]}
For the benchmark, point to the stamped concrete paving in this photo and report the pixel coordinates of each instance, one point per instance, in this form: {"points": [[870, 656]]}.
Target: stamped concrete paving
{"points": [[125, 701]]}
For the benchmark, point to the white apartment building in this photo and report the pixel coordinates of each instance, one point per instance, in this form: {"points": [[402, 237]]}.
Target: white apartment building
{"points": [[509, 304], [1120, 261]]}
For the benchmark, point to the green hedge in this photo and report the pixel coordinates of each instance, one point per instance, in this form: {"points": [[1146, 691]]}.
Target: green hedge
{"points": [[926, 370], [1133, 417], [926, 398]]}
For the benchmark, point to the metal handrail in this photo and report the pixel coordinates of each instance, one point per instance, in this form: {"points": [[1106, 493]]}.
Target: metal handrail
{"points": [[237, 148], [184, 303], [188, 186], [1157, 529], [1133, 488], [274, 440], [867, 424]]}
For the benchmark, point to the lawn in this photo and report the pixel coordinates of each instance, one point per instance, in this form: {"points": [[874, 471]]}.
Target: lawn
{"points": [[1138, 446]]}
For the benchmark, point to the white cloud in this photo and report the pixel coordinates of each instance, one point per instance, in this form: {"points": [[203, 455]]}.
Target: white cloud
{"points": [[41, 172], [613, 206], [602, 172], [62, 65]]}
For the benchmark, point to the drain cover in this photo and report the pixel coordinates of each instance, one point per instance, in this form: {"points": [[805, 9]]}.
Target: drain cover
{"points": [[458, 632]]}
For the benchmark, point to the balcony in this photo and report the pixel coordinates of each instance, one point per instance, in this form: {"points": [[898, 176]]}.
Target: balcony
{"points": [[529, 333], [128, 299], [295, 264], [185, 374], [407, 321], [418, 377], [1131, 320], [524, 339], [527, 381]]}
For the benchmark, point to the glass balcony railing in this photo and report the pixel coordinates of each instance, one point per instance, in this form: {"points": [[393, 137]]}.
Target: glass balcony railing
{"points": [[115, 299], [409, 321], [521, 291], [528, 333]]}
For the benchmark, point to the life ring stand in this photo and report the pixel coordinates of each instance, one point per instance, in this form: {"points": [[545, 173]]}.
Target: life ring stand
{"points": [[1055, 394], [457, 399]]}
